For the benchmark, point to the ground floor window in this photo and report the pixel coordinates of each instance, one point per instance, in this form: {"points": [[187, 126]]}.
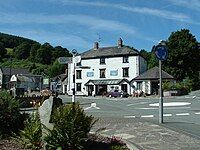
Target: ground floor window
{"points": [[78, 86], [139, 85]]}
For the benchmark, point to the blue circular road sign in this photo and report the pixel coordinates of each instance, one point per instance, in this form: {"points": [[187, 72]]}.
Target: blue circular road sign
{"points": [[161, 52]]}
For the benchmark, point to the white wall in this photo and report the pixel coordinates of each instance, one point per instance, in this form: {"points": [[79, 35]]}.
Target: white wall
{"points": [[111, 64]]}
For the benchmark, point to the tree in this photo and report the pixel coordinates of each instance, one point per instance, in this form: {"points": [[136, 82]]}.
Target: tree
{"points": [[33, 51], [59, 51], [44, 54], [184, 56], [150, 58], [22, 51], [3, 51], [56, 69]]}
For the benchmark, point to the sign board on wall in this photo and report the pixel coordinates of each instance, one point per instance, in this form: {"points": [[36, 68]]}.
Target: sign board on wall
{"points": [[114, 73], [90, 74]]}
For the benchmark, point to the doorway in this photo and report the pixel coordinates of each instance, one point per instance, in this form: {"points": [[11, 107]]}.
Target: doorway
{"points": [[90, 89], [124, 87]]}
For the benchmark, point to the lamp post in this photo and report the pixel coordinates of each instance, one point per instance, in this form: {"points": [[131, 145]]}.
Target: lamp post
{"points": [[74, 52]]}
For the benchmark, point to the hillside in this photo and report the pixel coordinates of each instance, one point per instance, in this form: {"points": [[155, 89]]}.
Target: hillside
{"points": [[11, 41], [20, 52]]}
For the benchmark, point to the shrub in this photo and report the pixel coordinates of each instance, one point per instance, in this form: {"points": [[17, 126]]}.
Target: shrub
{"points": [[99, 142], [71, 128], [31, 136], [11, 121]]}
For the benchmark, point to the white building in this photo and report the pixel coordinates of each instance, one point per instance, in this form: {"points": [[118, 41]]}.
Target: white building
{"points": [[109, 68]]}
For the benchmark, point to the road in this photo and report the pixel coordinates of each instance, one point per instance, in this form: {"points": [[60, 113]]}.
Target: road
{"points": [[180, 113]]}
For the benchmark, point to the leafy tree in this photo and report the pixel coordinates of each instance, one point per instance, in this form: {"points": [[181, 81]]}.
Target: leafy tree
{"points": [[2, 51], [33, 51], [56, 69], [153, 61], [183, 59], [11, 41], [22, 51], [59, 51], [146, 55], [44, 54]]}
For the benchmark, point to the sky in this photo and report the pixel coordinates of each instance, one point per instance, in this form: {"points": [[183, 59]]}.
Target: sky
{"points": [[77, 24]]}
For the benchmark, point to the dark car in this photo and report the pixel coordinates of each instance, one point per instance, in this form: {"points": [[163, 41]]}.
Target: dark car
{"points": [[117, 93]]}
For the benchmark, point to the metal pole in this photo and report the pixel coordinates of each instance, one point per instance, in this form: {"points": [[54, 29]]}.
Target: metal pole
{"points": [[161, 94], [74, 83]]}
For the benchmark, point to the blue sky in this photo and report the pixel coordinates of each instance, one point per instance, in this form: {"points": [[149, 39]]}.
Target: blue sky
{"points": [[77, 24]]}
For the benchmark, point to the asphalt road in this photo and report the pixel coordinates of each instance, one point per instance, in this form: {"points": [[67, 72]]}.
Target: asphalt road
{"points": [[180, 113]]}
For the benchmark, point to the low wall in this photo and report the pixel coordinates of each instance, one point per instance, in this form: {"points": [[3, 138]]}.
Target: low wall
{"points": [[30, 101]]}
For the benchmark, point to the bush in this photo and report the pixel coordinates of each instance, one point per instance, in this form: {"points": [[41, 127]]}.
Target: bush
{"points": [[99, 142], [31, 136], [11, 121], [71, 128]]}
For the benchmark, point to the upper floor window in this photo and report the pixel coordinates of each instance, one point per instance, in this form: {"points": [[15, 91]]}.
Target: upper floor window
{"points": [[78, 74], [102, 61], [125, 72], [102, 73], [78, 64], [125, 59]]}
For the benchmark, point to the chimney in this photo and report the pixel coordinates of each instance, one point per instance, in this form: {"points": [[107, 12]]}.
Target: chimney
{"points": [[120, 43], [96, 45]]}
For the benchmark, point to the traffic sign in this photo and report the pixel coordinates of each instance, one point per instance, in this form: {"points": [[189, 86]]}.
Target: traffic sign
{"points": [[161, 52], [64, 60], [77, 59]]}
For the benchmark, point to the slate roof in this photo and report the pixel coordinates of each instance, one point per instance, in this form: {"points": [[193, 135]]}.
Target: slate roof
{"points": [[14, 71], [61, 77], [22, 78], [107, 81], [153, 74], [109, 52]]}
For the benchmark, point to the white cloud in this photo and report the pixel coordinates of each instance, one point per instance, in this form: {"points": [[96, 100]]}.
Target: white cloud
{"points": [[90, 22], [142, 10], [192, 4]]}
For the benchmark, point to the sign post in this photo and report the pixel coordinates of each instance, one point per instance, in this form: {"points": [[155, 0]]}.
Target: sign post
{"points": [[161, 54], [73, 60]]}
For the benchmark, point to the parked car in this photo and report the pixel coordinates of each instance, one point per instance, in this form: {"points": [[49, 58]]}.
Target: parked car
{"points": [[117, 93]]}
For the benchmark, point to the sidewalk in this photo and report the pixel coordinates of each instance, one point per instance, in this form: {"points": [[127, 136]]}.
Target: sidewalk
{"points": [[142, 135]]}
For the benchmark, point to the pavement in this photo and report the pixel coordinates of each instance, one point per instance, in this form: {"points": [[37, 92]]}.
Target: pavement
{"points": [[142, 135]]}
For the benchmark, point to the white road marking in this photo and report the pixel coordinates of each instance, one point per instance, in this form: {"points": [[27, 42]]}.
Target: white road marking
{"points": [[177, 108], [167, 115], [146, 108], [151, 108], [183, 114], [137, 103], [129, 116], [171, 104], [198, 113], [93, 105], [147, 116], [124, 136]]}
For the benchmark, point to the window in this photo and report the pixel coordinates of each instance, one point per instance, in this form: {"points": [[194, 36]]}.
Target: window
{"points": [[125, 72], [78, 74], [125, 59], [139, 85], [78, 64], [78, 86], [102, 61], [102, 73]]}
